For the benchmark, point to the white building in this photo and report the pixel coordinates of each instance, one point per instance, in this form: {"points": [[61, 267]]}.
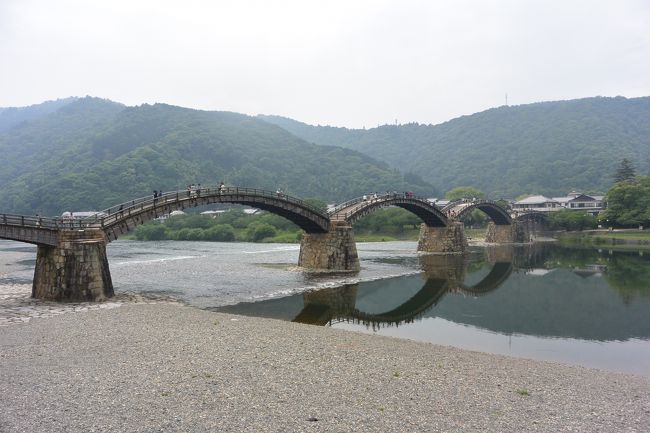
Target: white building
{"points": [[537, 203], [574, 200], [593, 204]]}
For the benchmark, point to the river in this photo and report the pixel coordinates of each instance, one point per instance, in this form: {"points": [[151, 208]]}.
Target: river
{"points": [[577, 306]]}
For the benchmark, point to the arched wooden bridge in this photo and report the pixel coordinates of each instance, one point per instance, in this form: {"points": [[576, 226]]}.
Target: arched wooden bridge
{"points": [[353, 210], [328, 241], [458, 209]]}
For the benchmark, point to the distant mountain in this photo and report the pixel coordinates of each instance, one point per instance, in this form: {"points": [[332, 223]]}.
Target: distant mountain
{"points": [[543, 148], [12, 116], [92, 153]]}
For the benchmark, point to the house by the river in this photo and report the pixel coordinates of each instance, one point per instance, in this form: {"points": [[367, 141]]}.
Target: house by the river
{"points": [[592, 204]]}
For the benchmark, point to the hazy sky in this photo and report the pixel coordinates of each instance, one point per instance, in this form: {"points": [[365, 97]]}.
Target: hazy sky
{"points": [[345, 63]]}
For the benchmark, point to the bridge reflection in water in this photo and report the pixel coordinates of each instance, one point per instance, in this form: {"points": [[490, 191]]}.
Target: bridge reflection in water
{"points": [[586, 307], [539, 290], [388, 301]]}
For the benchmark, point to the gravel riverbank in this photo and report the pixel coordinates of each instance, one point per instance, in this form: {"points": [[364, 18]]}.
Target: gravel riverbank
{"points": [[167, 367]]}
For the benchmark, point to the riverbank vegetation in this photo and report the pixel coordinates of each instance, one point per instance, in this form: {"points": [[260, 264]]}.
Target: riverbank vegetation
{"points": [[236, 226], [571, 220], [628, 203]]}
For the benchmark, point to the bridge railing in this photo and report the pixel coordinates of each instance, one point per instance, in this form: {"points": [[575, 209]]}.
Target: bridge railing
{"points": [[455, 203], [450, 211], [139, 204], [345, 204], [372, 199], [39, 222]]}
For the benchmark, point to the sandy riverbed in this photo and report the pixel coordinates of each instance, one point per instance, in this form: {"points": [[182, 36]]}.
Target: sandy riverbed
{"points": [[168, 367]]}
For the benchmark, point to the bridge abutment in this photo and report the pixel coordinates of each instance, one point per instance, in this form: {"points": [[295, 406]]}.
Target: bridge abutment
{"points": [[449, 239], [335, 250], [74, 270], [505, 234]]}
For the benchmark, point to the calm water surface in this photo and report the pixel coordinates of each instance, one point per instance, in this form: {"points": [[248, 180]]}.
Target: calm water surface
{"points": [[584, 307]]}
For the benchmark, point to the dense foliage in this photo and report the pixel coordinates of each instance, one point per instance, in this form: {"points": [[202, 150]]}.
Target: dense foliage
{"points": [[391, 221], [572, 220], [628, 203], [546, 148], [475, 218], [235, 225], [464, 192], [90, 154], [625, 172]]}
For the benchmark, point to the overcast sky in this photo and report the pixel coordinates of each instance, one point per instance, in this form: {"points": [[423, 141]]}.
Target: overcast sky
{"points": [[344, 63]]}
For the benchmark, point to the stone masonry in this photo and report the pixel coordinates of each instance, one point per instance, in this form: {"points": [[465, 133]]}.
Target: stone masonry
{"points": [[502, 234], [450, 239], [335, 250], [75, 270]]}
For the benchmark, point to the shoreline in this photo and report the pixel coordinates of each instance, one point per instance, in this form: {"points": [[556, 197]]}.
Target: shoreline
{"points": [[166, 366]]}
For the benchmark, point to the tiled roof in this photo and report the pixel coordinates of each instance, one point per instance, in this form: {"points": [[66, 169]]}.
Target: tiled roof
{"points": [[535, 199]]}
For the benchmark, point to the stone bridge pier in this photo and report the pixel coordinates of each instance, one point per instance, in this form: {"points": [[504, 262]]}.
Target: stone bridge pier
{"points": [[335, 250], [74, 270], [449, 239], [506, 233]]}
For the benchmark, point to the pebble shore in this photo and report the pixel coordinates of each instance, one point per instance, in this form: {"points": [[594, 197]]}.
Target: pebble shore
{"points": [[159, 366]]}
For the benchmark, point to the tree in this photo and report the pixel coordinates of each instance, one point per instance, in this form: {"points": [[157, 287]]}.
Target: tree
{"points": [[625, 171], [572, 220], [464, 192], [476, 217], [219, 233], [628, 204], [316, 203], [258, 231], [151, 232]]}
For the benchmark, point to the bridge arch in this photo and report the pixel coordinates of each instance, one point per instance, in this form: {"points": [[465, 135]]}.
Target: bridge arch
{"points": [[428, 296], [532, 216], [122, 218], [432, 292], [497, 213], [353, 210], [499, 273]]}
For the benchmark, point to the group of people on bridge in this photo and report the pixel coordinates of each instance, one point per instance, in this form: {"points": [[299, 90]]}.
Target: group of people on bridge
{"points": [[387, 194], [194, 190]]}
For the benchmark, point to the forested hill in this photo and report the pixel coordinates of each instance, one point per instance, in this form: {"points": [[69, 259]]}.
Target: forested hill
{"points": [[10, 117], [91, 153], [543, 148]]}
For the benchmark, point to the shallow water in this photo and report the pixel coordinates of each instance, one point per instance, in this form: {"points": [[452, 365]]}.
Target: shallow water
{"points": [[585, 307]]}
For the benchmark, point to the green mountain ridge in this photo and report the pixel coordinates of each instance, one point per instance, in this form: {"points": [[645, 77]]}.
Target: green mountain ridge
{"points": [[93, 153], [13, 116], [543, 148], [89, 153]]}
